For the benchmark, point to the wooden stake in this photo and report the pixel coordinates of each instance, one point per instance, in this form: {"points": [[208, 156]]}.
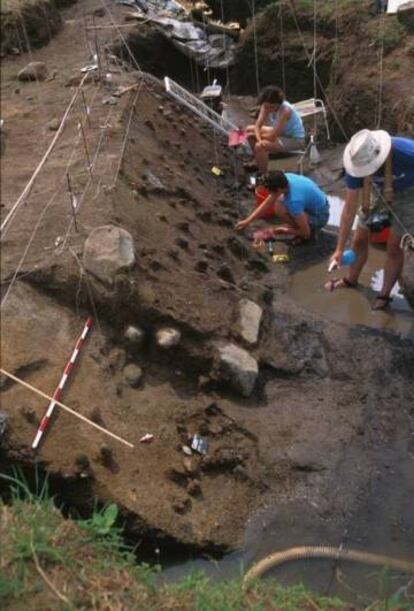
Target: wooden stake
{"points": [[86, 109], [86, 148]]}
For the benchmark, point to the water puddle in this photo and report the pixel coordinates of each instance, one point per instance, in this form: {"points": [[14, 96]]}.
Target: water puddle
{"points": [[348, 306]]}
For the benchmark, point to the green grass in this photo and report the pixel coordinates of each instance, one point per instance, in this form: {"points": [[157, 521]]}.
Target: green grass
{"points": [[48, 562]]}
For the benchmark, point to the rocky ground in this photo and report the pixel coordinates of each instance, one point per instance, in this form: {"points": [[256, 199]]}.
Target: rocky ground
{"points": [[194, 332]]}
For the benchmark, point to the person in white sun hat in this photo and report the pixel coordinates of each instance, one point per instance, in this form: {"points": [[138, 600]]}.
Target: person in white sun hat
{"points": [[379, 178]]}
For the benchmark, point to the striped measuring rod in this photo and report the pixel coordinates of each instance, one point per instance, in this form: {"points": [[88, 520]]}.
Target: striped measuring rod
{"points": [[57, 395]]}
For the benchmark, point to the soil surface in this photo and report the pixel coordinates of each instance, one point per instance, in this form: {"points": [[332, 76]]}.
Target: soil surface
{"points": [[328, 398]]}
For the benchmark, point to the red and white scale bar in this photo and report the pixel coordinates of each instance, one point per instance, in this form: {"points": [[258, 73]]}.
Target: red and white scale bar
{"points": [[57, 395]]}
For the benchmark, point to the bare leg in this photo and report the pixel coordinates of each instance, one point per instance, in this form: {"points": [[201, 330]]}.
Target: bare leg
{"points": [[392, 269], [251, 137], [261, 153]]}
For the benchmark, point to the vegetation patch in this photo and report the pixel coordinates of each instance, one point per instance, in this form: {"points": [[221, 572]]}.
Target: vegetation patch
{"points": [[58, 563]]}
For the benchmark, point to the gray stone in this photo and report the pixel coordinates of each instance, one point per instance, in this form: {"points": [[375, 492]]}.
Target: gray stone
{"points": [[250, 319], [53, 125], [35, 71], [108, 251], [167, 337], [239, 368], [153, 183], [132, 374], [111, 101], [134, 335]]}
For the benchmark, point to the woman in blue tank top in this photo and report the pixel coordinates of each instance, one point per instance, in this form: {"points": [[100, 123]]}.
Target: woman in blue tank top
{"points": [[284, 131]]}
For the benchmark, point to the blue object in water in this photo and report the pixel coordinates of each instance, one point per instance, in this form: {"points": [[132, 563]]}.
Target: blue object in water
{"points": [[348, 258]]}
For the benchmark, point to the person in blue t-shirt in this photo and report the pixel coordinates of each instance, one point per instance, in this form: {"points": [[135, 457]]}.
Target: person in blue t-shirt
{"points": [[295, 200], [380, 169], [278, 128]]}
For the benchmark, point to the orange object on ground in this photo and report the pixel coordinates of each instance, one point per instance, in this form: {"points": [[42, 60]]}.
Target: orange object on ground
{"points": [[261, 194], [381, 237]]}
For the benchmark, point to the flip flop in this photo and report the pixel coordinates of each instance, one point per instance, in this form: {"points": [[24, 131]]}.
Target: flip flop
{"points": [[385, 302], [340, 283]]}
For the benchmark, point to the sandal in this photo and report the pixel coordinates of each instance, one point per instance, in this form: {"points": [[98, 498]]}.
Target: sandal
{"points": [[381, 303], [340, 283]]}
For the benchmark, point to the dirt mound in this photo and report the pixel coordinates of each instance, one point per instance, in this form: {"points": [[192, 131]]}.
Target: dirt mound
{"points": [[349, 46]]}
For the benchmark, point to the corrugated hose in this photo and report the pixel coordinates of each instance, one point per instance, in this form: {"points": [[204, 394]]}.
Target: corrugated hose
{"points": [[321, 551]]}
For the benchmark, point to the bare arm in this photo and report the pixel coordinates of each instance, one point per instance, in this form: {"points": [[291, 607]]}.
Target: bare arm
{"points": [[259, 122], [349, 211], [270, 199], [283, 119]]}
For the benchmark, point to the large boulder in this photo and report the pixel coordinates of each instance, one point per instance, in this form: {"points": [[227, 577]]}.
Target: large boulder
{"points": [[108, 251], [250, 318], [35, 71], [238, 367]]}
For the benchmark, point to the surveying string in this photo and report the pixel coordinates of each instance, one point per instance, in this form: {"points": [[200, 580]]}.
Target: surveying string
{"points": [[57, 395]]}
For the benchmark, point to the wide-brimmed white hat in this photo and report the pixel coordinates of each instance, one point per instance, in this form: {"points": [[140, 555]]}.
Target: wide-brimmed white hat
{"points": [[366, 152]]}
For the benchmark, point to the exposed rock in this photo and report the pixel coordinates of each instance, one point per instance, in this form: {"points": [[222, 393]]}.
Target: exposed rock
{"points": [[53, 125], [167, 337], [108, 251], [133, 374], [293, 347], [250, 318], [239, 368], [134, 335], [153, 183], [35, 71], [110, 100]]}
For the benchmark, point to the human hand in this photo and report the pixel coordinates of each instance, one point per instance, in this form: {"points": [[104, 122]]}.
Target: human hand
{"points": [[241, 225], [335, 260]]}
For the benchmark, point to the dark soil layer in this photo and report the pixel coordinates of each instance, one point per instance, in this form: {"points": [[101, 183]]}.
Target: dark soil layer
{"points": [[29, 24], [349, 43]]}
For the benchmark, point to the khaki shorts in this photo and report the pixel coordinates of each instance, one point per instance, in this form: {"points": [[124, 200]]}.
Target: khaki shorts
{"points": [[403, 208], [291, 144]]}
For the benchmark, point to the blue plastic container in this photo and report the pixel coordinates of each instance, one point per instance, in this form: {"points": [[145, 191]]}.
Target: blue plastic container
{"points": [[348, 258]]}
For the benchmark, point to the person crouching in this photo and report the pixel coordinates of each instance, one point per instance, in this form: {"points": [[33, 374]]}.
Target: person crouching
{"points": [[297, 202]]}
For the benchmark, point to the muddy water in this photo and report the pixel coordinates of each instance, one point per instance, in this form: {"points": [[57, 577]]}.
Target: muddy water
{"points": [[349, 306]]}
